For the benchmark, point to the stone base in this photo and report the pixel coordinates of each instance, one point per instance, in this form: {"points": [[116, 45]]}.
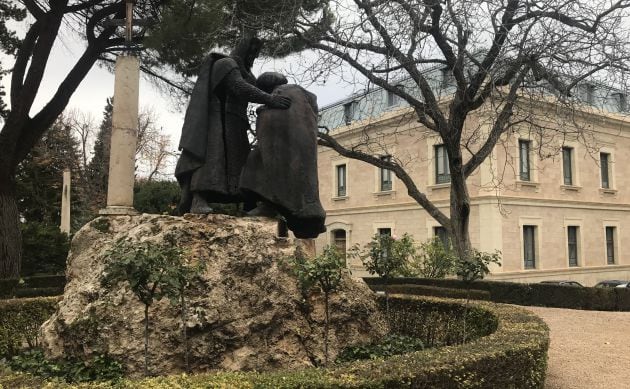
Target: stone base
{"points": [[114, 210], [246, 309]]}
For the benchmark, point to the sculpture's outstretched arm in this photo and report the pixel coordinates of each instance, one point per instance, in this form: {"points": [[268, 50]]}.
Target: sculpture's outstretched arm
{"points": [[236, 85]]}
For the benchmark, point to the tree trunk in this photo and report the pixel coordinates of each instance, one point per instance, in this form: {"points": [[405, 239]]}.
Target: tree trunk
{"points": [[326, 329], [10, 235], [460, 216], [386, 279], [185, 331], [146, 340]]}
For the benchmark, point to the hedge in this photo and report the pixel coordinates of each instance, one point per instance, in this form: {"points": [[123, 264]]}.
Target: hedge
{"points": [[38, 292], [35, 286], [45, 281], [435, 291], [507, 349], [8, 286], [20, 320], [545, 295]]}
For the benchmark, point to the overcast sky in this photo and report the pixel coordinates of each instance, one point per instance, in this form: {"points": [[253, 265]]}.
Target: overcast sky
{"points": [[99, 85]]}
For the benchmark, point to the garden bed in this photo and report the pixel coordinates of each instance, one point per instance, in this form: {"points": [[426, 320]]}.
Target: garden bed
{"points": [[506, 347]]}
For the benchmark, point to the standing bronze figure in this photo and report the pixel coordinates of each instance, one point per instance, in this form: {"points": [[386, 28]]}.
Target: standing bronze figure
{"points": [[214, 140]]}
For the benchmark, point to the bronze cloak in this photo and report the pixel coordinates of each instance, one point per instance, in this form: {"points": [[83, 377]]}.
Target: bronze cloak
{"points": [[282, 168], [214, 139]]}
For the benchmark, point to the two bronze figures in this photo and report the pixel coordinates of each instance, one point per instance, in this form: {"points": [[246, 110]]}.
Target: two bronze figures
{"points": [[217, 164]]}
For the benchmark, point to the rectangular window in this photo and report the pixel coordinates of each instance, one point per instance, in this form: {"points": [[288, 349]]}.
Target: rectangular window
{"points": [[529, 246], [349, 111], [447, 78], [587, 93], [392, 98], [385, 175], [620, 102], [384, 231], [572, 238], [610, 245], [341, 180], [604, 159], [523, 147], [441, 233], [567, 165], [442, 169], [339, 237]]}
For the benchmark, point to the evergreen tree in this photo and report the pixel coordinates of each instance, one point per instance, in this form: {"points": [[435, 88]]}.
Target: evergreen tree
{"points": [[39, 177], [189, 29], [156, 197], [39, 183], [97, 173], [3, 106], [9, 42]]}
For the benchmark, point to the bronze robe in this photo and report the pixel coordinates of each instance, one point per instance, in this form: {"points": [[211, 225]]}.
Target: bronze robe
{"points": [[282, 168], [214, 139]]}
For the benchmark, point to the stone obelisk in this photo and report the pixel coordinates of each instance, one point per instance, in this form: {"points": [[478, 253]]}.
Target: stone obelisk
{"points": [[124, 130], [65, 202]]}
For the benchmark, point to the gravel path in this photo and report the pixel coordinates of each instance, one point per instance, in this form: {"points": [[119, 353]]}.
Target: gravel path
{"points": [[589, 349]]}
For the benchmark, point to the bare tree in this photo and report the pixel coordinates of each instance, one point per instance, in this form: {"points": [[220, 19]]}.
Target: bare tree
{"points": [[154, 151], [83, 128], [24, 126], [503, 57]]}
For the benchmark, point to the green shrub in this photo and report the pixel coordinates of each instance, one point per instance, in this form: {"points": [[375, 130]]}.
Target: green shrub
{"points": [[152, 271], [324, 272], [20, 320], [45, 249], [386, 256], [392, 344], [97, 368], [8, 286], [156, 197], [431, 260], [476, 267]]}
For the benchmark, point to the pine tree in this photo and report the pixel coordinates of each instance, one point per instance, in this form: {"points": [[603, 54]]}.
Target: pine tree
{"points": [[97, 173], [39, 177]]}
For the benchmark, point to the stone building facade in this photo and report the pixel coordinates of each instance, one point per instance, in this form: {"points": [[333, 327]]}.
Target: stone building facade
{"points": [[556, 207]]}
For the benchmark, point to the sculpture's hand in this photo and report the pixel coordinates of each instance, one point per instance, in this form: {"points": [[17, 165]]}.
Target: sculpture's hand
{"points": [[281, 102]]}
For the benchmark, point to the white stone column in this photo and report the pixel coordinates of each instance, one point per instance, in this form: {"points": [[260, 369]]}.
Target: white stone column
{"points": [[65, 202], [124, 137]]}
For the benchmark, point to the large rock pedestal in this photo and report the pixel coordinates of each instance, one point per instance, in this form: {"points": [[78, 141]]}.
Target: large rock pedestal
{"points": [[246, 310]]}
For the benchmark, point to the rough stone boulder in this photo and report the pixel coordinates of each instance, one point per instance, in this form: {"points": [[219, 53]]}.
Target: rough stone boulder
{"points": [[245, 310]]}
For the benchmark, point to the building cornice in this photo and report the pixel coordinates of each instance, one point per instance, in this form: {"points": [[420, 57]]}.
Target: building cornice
{"points": [[483, 200]]}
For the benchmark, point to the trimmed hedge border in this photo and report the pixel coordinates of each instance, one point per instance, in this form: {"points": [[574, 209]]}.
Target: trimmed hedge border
{"points": [[513, 356], [434, 291], [35, 286], [45, 281], [20, 320], [543, 295]]}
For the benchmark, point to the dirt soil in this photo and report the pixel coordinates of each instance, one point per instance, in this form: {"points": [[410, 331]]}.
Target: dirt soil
{"points": [[589, 349]]}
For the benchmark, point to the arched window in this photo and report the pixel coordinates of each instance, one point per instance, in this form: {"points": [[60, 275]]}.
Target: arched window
{"points": [[339, 240]]}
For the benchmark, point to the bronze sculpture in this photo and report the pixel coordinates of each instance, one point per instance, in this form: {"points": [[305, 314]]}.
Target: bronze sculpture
{"points": [[214, 139], [281, 171]]}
